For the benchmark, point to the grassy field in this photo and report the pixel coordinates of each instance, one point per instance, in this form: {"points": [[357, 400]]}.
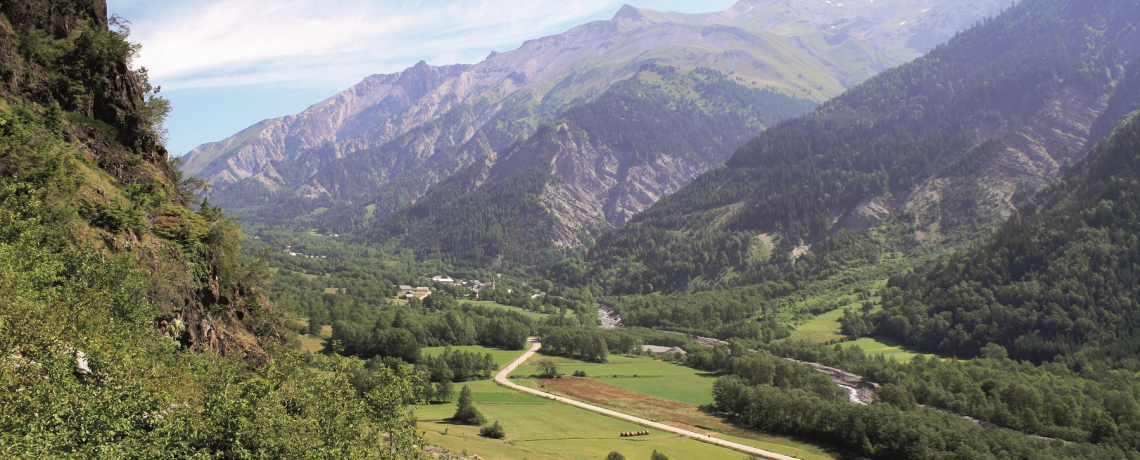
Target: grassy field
{"points": [[825, 328], [490, 304], [314, 344], [656, 390], [538, 429], [642, 375], [821, 329], [876, 346]]}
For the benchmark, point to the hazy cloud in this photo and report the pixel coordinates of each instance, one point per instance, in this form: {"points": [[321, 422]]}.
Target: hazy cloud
{"points": [[206, 43]]}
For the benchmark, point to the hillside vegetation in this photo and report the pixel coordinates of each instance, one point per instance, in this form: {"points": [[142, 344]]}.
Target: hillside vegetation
{"points": [[132, 326], [1059, 281], [941, 147]]}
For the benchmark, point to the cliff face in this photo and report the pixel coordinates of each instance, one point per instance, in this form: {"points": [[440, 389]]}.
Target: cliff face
{"points": [[78, 141], [399, 134], [62, 53]]}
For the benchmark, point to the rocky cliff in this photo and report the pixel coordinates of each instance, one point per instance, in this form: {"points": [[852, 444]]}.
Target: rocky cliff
{"points": [[62, 53]]}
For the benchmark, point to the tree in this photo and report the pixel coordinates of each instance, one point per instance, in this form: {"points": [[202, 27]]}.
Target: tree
{"points": [[443, 391], [615, 456], [548, 368], [658, 456], [494, 431], [467, 413]]}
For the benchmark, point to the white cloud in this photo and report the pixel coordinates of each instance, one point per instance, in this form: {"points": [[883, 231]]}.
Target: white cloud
{"points": [[209, 43]]}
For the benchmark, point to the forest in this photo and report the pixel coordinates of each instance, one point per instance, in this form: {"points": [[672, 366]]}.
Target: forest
{"points": [[1058, 283], [905, 126]]}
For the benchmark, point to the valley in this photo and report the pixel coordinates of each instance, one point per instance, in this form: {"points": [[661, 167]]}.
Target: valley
{"points": [[789, 229]]}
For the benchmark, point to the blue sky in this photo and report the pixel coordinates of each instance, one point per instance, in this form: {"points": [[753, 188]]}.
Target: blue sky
{"points": [[227, 64]]}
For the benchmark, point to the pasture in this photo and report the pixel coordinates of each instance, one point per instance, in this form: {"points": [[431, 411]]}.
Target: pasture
{"points": [[541, 429], [655, 390], [490, 304]]}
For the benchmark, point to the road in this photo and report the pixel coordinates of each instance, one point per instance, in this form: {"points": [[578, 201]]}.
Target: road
{"points": [[502, 379]]}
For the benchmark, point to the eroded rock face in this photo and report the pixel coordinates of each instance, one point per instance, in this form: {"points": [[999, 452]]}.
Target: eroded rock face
{"points": [[1031, 155], [599, 187], [867, 214]]}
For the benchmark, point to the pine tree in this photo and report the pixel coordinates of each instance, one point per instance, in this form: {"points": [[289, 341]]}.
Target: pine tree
{"points": [[467, 413]]}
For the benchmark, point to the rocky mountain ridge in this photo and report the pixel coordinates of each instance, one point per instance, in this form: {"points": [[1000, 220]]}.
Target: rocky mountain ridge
{"points": [[396, 135], [594, 169]]}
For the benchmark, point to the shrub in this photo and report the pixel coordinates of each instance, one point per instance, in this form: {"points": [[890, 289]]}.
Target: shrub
{"points": [[493, 431]]}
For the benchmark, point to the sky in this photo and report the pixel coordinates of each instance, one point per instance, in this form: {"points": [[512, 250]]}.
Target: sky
{"points": [[228, 64]]}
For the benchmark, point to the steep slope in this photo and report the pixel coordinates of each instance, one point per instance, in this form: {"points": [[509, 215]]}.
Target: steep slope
{"points": [[945, 144], [592, 169], [1060, 279], [401, 133], [131, 326]]}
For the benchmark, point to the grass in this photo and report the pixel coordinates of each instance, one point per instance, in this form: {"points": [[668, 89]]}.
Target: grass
{"points": [[642, 375], [825, 327], [488, 303], [656, 390], [541, 429], [887, 348], [315, 344], [821, 329]]}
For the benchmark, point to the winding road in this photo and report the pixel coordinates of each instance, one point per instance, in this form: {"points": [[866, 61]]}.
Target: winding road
{"points": [[502, 379]]}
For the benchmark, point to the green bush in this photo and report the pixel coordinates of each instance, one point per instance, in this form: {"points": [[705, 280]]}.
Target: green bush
{"points": [[493, 431]]}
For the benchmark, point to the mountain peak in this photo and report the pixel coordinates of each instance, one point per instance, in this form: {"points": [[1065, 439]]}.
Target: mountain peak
{"points": [[629, 13]]}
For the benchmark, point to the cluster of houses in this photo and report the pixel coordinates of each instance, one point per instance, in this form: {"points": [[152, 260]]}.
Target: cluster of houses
{"points": [[289, 250], [409, 292], [474, 286]]}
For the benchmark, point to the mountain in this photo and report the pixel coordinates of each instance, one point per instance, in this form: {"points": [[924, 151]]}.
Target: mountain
{"points": [[943, 147], [1059, 279], [386, 141], [590, 170]]}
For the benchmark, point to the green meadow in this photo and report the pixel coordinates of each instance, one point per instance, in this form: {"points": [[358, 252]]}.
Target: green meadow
{"points": [[541, 429], [488, 303], [656, 390], [638, 374]]}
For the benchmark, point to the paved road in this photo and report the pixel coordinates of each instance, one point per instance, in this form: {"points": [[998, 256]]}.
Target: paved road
{"points": [[501, 377]]}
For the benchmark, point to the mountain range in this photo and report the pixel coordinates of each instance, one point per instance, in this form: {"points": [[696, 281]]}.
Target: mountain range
{"points": [[592, 169], [382, 144]]}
